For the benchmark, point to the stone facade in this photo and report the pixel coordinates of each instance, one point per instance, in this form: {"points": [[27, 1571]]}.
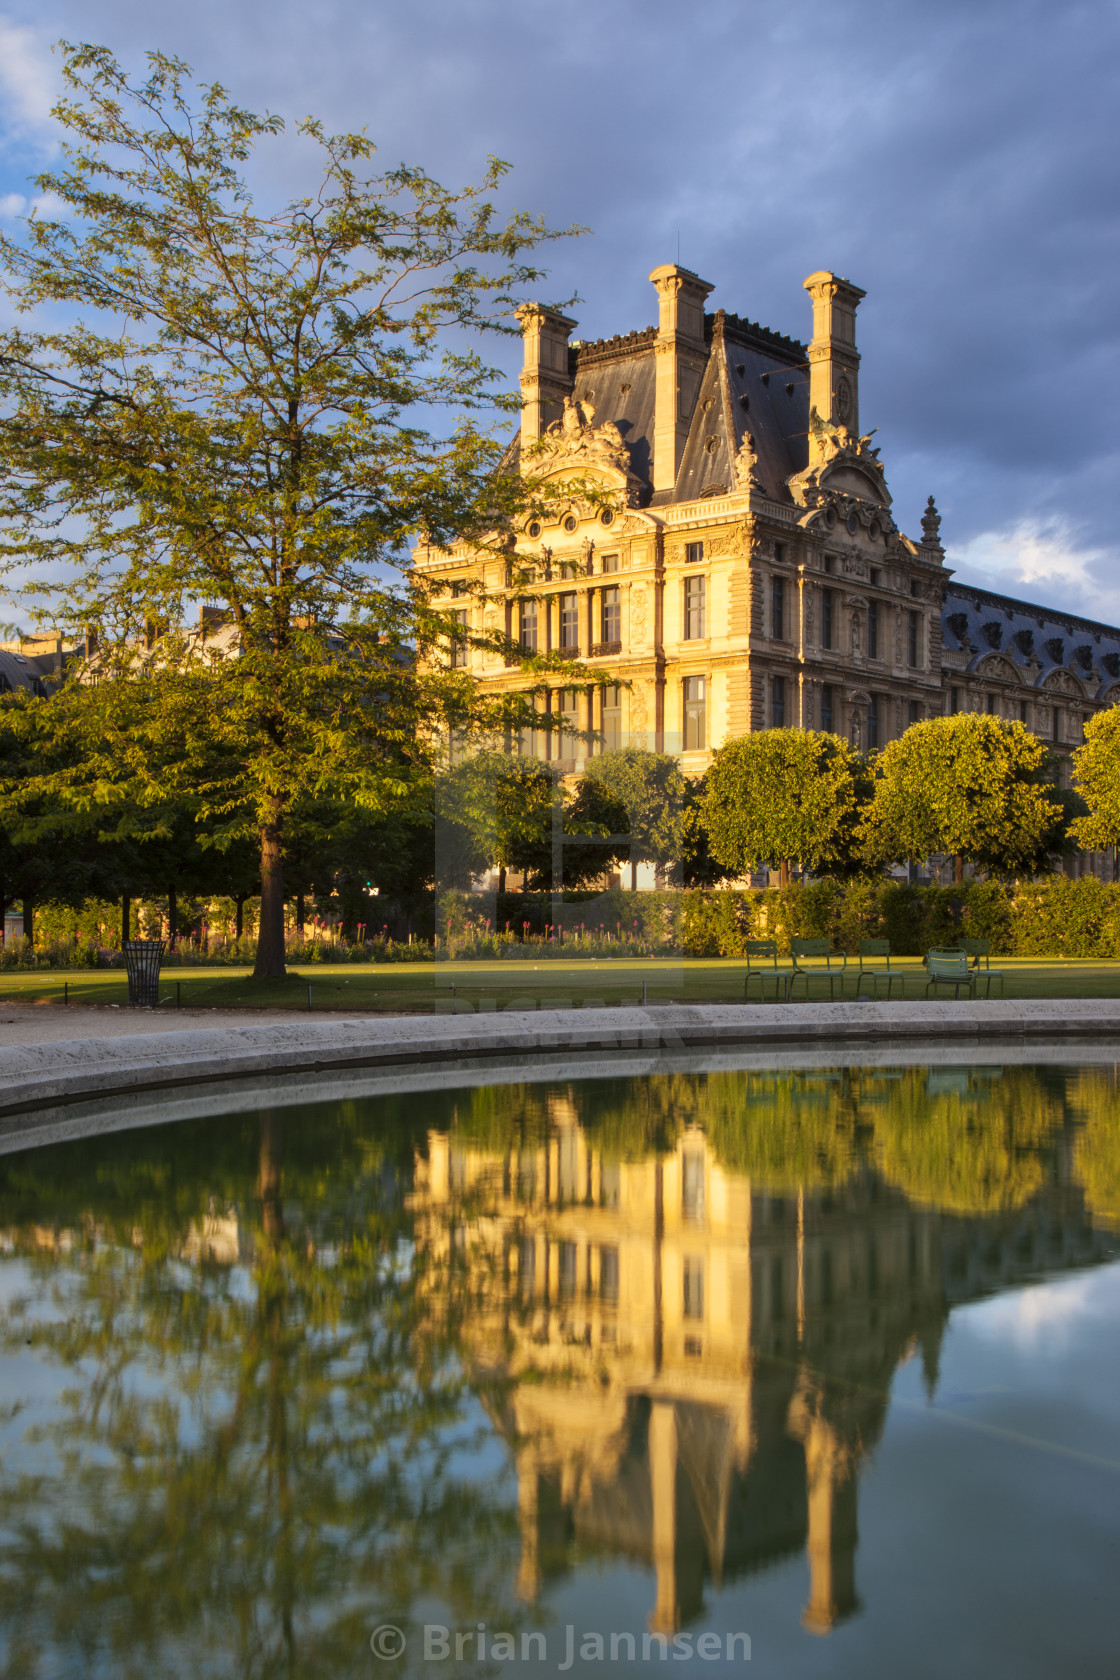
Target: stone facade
{"points": [[747, 572]]}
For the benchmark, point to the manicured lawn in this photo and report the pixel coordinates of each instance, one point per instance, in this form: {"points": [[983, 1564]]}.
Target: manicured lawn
{"points": [[434, 988]]}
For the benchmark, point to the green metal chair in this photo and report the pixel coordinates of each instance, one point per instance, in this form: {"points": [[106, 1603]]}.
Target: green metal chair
{"points": [[872, 948], [980, 950], [762, 965], [950, 968], [831, 965]]}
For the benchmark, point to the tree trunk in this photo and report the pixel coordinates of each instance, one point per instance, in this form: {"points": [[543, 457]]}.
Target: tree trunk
{"points": [[502, 878], [270, 934], [4, 912], [239, 915], [29, 918], [172, 917], [783, 873], [959, 877], [126, 919]]}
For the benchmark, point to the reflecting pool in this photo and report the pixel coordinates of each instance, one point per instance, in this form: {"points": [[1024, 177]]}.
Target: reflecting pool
{"points": [[600, 1377]]}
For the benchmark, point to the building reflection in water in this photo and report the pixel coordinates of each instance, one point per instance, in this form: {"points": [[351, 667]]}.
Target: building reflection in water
{"points": [[695, 1368]]}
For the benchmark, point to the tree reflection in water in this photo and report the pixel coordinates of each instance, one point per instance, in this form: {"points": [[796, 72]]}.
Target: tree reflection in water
{"points": [[295, 1350]]}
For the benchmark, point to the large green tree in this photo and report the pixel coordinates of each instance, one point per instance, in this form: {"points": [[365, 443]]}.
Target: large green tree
{"points": [[220, 402], [778, 795], [973, 786]]}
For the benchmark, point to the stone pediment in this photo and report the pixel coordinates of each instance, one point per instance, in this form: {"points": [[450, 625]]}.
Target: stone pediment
{"points": [[998, 667], [1063, 682], [840, 463], [575, 445]]}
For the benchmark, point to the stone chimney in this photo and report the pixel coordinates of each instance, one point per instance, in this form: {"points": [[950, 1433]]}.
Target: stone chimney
{"points": [[545, 380], [833, 357], [681, 357]]}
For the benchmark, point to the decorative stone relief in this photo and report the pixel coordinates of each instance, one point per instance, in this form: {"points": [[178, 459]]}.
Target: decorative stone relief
{"points": [[638, 615]]}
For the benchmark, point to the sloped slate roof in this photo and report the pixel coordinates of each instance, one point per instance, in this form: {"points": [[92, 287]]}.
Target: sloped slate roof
{"points": [[755, 381], [620, 387], [17, 671], [750, 386], [979, 622]]}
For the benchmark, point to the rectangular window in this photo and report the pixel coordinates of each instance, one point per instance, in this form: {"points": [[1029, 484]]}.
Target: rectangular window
{"points": [[568, 708], [1022, 711], [827, 599], [875, 576], [569, 623], [914, 712], [915, 588], [778, 702], [608, 1274], [527, 1269], [693, 552], [568, 571], [872, 721], [692, 1186], [612, 718], [694, 614], [693, 1288], [695, 714], [830, 562], [778, 608], [954, 700], [1085, 716], [458, 587], [872, 629], [612, 615], [914, 644], [991, 703], [568, 1270], [459, 642], [1055, 724], [779, 552], [527, 626], [610, 562], [827, 708]]}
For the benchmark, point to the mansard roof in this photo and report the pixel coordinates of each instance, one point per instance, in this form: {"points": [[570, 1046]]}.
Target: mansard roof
{"points": [[755, 382], [979, 622]]}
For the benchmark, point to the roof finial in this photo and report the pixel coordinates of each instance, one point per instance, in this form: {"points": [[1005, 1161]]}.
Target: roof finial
{"points": [[931, 525]]}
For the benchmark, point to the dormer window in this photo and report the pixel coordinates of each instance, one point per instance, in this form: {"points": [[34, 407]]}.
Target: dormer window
{"points": [[693, 553]]}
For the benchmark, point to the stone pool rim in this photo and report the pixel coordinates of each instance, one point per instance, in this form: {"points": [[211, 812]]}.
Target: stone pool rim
{"points": [[76, 1070]]}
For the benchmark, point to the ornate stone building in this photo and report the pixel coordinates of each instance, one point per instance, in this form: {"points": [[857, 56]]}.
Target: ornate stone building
{"points": [[748, 572], [692, 1368]]}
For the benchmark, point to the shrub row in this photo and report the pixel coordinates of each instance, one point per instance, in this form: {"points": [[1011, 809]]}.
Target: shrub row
{"points": [[1056, 917]]}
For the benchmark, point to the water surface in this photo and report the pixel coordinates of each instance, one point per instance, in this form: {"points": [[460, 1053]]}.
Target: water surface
{"points": [[618, 1376]]}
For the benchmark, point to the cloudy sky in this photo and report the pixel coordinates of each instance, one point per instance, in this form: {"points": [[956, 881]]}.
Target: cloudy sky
{"points": [[956, 158]]}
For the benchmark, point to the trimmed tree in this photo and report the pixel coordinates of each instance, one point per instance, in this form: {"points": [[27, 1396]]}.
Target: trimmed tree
{"points": [[232, 411], [653, 792], [972, 786], [1097, 769], [779, 795]]}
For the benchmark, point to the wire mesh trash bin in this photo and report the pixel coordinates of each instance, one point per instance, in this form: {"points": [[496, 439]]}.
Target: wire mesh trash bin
{"points": [[142, 958]]}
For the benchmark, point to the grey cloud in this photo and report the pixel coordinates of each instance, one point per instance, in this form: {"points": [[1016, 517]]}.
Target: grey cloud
{"points": [[955, 157]]}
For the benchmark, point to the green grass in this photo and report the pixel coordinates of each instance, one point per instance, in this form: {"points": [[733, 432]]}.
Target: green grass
{"points": [[427, 988]]}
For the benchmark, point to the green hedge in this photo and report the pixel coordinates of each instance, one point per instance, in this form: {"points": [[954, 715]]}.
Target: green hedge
{"points": [[1057, 917]]}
